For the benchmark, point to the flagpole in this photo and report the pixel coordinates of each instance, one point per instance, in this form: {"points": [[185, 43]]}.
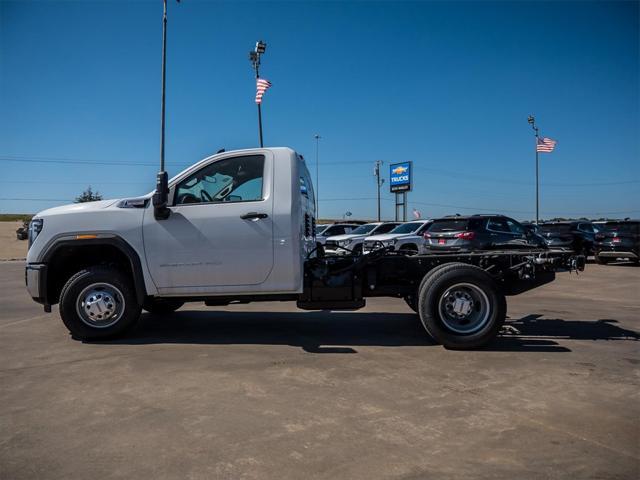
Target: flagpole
{"points": [[259, 111], [317, 189], [254, 57], [532, 122]]}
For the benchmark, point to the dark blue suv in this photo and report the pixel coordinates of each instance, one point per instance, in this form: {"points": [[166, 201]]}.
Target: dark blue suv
{"points": [[479, 232]]}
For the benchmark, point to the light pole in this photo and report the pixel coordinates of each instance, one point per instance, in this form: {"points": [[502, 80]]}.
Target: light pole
{"points": [[254, 58], [532, 121], [317, 190], [379, 181]]}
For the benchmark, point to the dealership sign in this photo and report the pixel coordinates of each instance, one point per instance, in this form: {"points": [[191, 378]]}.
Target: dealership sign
{"points": [[400, 177]]}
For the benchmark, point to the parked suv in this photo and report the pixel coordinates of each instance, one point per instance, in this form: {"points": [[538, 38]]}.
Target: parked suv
{"points": [[406, 237], [479, 232], [351, 243], [577, 236], [618, 239], [331, 230]]}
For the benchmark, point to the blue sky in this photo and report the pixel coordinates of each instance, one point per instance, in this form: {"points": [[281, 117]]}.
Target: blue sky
{"points": [[447, 85]]}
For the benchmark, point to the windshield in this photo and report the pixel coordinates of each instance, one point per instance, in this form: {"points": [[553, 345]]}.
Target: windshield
{"points": [[407, 227], [364, 229], [625, 227], [386, 228], [556, 228], [453, 225]]}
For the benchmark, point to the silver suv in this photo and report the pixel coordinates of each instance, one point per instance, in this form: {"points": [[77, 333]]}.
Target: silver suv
{"points": [[351, 243], [406, 237]]}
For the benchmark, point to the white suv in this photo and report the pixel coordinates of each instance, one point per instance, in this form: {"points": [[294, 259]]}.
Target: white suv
{"points": [[325, 231], [351, 243], [406, 237]]}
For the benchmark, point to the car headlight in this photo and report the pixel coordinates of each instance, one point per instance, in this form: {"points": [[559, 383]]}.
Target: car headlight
{"points": [[389, 243], [35, 227], [344, 243]]}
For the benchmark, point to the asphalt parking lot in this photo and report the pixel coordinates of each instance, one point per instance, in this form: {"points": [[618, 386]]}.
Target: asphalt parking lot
{"points": [[265, 391]]}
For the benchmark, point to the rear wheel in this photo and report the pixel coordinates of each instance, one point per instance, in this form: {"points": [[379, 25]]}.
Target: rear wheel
{"points": [[98, 303], [161, 305], [461, 307]]}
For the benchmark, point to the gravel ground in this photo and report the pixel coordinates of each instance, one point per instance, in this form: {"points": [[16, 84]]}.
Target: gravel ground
{"points": [[264, 391]]}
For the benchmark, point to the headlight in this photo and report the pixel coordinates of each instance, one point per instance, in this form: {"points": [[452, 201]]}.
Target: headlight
{"points": [[389, 243], [345, 243], [35, 227]]}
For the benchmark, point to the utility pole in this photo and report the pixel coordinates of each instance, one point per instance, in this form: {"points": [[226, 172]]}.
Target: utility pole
{"points": [[254, 58], [532, 121], [379, 181], [317, 189]]}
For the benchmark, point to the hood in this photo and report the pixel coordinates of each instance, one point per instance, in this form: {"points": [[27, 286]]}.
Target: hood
{"points": [[346, 236], [388, 236], [77, 208]]}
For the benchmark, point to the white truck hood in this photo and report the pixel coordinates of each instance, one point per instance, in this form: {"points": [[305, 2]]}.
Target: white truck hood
{"points": [[77, 208]]}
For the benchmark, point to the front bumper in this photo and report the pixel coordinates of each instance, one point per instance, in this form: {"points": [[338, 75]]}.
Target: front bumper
{"points": [[336, 251], [35, 277]]}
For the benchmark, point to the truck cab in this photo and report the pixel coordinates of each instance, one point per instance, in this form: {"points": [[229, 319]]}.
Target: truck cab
{"points": [[240, 223]]}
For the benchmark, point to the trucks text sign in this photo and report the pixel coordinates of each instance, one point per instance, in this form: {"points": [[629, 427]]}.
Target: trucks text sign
{"points": [[400, 177]]}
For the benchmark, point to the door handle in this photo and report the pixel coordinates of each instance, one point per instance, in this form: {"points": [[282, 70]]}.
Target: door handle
{"points": [[253, 216]]}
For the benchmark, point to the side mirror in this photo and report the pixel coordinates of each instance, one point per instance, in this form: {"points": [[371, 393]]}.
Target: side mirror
{"points": [[161, 197]]}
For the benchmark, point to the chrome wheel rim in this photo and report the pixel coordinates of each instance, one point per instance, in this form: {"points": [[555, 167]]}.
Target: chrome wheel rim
{"points": [[100, 305], [464, 308]]}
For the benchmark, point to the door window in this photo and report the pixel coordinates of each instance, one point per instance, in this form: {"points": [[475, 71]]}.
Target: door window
{"points": [[497, 224], [237, 179], [515, 227]]}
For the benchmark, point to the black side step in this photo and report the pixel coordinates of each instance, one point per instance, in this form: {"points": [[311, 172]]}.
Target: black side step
{"points": [[332, 305]]}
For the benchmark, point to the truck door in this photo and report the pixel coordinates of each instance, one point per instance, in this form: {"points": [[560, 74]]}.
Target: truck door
{"points": [[220, 231]]}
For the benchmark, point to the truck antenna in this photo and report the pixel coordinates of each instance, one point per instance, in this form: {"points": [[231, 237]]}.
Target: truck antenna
{"points": [[161, 195]]}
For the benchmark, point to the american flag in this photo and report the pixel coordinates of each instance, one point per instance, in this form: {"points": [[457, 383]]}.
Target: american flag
{"points": [[261, 86], [545, 145]]}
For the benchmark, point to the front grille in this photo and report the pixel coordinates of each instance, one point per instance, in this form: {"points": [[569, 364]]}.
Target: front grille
{"points": [[330, 244]]}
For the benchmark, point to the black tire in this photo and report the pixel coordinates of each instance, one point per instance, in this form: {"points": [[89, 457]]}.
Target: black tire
{"points": [[162, 305], [602, 260], [488, 306], [83, 283]]}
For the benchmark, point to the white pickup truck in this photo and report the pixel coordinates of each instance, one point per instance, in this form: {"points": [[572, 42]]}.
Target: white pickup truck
{"points": [[239, 227]]}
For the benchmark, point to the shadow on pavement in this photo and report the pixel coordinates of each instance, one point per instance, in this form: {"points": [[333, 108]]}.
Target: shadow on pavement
{"points": [[340, 332]]}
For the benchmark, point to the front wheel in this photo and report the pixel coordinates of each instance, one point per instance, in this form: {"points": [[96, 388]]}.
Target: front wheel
{"points": [[98, 303], [461, 307]]}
